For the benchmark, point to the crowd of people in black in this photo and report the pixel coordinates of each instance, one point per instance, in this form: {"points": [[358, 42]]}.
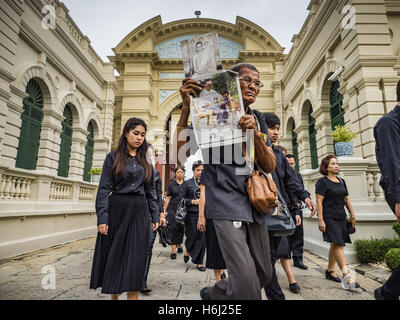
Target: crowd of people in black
{"points": [[221, 225]]}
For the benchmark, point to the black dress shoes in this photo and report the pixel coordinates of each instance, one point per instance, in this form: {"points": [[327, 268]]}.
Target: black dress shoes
{"points": [[223, 275], [173, 255], [180, 250], [299, 264], [186, 258], [204, 294], [201, 268], [328, 276], [294, 287]]}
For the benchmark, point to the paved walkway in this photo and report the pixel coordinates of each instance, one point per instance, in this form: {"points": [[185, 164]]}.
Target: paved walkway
{"points": [[21, 277]]}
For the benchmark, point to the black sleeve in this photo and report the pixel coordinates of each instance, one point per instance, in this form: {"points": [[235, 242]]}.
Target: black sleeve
{"points": [[292, 184], [186, 194], [169, 190], [151, 197], [321, 187], [387, 136], [104, 190], [158, 186], [344, 182]]}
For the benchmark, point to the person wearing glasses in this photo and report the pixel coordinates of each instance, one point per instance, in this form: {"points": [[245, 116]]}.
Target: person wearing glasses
{"points": [[241, 231]]}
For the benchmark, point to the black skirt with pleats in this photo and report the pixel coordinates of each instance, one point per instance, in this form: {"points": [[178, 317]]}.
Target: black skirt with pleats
{"points": [[214, 259], [195, 242], [119, 260]]}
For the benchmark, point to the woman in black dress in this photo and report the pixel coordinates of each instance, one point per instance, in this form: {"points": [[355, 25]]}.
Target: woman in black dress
{"points": [[195, 240], [332, 197], [124, 201], [176, 230]]}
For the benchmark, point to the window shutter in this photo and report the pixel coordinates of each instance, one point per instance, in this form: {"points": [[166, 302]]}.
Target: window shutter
{"points": [[88, 153], [66, 142], [313, 140], [295, 148], [31, 122]]}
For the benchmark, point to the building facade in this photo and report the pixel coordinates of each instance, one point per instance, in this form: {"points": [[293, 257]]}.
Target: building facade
{"points": [[62, 109], [355, 39], [56, 111]]}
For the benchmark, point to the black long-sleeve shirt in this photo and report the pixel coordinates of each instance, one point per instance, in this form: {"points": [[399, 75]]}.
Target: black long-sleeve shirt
{"points": [[130, 181], [191, 191], [387, 150], [286, 179]]}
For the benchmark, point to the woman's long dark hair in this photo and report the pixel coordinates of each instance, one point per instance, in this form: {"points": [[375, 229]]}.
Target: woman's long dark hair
{"points": [[122, 153]]}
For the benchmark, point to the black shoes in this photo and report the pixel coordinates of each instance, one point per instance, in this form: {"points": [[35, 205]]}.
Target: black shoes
{"points": [[201, 268], [223, 275], [328, 276], [173, 256], [145, 291], [294, 287], [186, 258], [180, 250], [204, 294], [299, 264]]}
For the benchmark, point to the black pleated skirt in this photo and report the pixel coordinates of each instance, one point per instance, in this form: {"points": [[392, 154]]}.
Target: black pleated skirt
{"points": [[336, 231], [195, 242], [119, 260], [214, 259], [175, 230]]}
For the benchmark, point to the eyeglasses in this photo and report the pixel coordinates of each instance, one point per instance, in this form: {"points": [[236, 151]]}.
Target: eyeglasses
{"points": [[249, 80]]}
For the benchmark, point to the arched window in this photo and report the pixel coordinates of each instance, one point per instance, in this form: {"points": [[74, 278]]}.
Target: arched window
{"points": [[66, 142], [313, 139], [336, 102], [88, 153], [29, 138], [295, 147]]}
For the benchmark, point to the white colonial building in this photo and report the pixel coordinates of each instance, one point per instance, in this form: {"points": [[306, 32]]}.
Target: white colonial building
{"points": [[62, 110], [56, 111]]}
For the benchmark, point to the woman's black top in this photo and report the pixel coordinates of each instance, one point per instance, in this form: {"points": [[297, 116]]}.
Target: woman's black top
{"points": [[334, 194], [175, 191], [130, 181], [191, 191]]}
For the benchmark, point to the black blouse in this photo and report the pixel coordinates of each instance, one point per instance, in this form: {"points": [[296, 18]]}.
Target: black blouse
{"points": [[191, 191], [130, 181], [334, 194], [175, 191]]}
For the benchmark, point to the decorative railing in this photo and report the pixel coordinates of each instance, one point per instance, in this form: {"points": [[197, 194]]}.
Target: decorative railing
{"points": [[60, 191], [24, 185], [15, 187], [87, 193], [375, 192]]}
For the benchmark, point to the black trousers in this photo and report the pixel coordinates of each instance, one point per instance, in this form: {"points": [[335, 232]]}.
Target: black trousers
{"points": [[274, 291], [296, 240], [153, 235], [391, 288]]}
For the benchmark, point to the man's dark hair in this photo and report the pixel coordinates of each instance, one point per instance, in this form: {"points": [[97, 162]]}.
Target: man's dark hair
{"points": [[239, 66], [283, 149], [179, 168], [271, 119], [196, 164], [290, 156]]}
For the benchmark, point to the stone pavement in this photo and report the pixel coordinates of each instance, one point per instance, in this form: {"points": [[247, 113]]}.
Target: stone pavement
{"points": [[21, 277]]}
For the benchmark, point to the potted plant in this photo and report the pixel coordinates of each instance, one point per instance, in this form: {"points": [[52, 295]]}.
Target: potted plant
{"points": [[343, 138], [95, 173]]}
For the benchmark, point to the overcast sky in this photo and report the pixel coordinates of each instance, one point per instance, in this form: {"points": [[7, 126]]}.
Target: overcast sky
{"points": [[107, 22]]}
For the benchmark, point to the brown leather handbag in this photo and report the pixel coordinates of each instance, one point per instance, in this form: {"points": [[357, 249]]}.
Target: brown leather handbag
{"points": [[262, 192], [261, 188]]}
